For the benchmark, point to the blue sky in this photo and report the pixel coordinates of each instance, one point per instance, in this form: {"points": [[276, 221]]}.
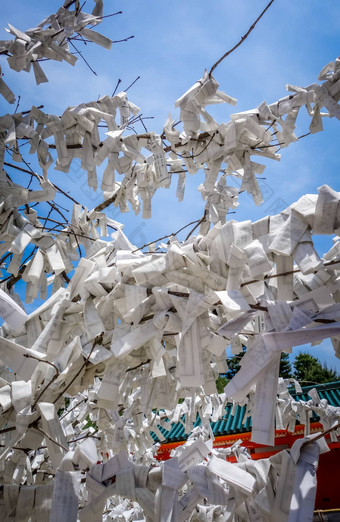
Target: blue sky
{"points": [[173, 43]]}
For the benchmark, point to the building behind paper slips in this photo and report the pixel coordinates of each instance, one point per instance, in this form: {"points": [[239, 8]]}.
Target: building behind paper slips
{"points": [[229, 429]]}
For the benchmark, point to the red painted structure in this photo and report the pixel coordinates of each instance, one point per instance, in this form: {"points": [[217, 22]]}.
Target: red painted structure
{"points": [[328, 474]]}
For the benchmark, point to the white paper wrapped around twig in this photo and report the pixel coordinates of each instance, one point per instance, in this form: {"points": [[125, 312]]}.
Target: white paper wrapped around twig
{"points": [[49, 40], [108, 356]]}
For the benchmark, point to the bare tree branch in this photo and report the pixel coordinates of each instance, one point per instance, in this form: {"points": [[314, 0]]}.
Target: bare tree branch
{"points": [[117, 85], [66, 412], [98, 340], [138, 365], [105, 203], [197, 221], [82, 56], [203, 218], [131, 84], [242, 39], [289, 272], [27, 355], [51, 439]]}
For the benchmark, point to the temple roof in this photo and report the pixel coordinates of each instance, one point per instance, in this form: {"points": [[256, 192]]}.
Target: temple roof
{"points": [[232, 424]]}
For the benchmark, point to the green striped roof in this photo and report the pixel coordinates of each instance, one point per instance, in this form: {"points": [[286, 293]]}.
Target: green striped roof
{"points": [[231, 424]]}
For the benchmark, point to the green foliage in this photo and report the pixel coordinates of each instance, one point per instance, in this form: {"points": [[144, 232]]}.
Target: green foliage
{"points": [[221, 383], [63, 408], [309, 370], [234, 364], [90, 424], [306, 369], [285, 367]]}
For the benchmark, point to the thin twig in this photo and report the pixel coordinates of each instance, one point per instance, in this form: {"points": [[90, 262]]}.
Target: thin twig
{"points": [[131, 84], [71, 146], [54, 206], [65, 276], [201, 137], [272, 123], [69, 4], [67, 195], [326, 432], [7, 430], [198, 224], [25, 450], [65, 232], [322, 321], [61, 224], [192, 156], [66, 412], [32, 173], [109, 15], [81, 38], [18, 103], [47, 217], [78, 246], [105, 203], [82, 56], [87, 436], [123, 40], [289, 272], [51, 439], [242, 39], [277, 144], [80, 8], [138, 365], [3, 259], [29, 356], [13, 279], [142, 121], [118, 82], [98, 340], [197, 221]]}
